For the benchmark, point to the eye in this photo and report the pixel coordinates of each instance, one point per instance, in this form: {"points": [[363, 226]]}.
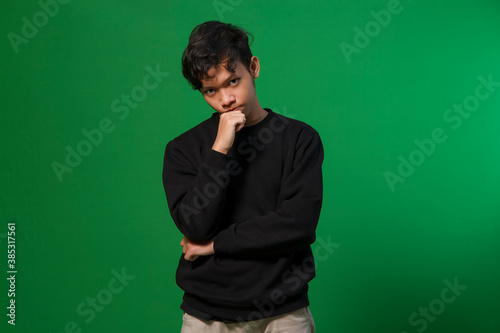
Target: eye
{"points": [[234, 81], [209, 92]]}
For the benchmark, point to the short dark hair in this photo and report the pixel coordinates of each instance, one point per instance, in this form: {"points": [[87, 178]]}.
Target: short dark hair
{"points": [[211, 43]]}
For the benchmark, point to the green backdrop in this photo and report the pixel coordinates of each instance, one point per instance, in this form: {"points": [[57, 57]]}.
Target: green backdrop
{"points": [[405, 95]]}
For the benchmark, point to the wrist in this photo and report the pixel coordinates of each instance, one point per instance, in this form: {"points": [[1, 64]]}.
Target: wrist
{"points": [[220, 149]]}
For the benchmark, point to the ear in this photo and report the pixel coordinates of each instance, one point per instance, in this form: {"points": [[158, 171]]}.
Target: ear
{"points": [[254, 67]]}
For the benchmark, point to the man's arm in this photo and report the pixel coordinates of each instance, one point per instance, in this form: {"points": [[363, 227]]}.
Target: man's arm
{"points": [[292, 225], [195, 214], [195, 198]]}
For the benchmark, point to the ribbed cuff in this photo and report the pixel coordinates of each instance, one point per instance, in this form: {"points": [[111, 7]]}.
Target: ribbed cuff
{"points": [[222, 242], [217, 160]]}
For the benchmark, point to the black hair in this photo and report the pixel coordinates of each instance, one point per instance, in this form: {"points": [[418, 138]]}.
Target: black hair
{"points": [[210, 44]]}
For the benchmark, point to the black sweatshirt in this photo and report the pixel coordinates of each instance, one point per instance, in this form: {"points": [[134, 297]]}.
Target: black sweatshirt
{"points": [[260, 204]]}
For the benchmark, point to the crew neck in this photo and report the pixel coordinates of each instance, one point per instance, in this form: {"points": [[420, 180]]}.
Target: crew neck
{"points": [[263, 121]]}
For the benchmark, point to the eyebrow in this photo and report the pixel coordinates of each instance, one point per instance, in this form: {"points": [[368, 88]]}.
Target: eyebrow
{"points": [[230, 78]]}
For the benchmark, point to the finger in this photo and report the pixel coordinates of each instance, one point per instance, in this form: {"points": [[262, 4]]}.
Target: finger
{"points": [[188, 256], [232, 113], [240, 125], [191, 258]]}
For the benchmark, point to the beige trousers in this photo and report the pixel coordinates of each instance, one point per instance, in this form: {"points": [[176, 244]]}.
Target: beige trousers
{"points": [[298, 321]]}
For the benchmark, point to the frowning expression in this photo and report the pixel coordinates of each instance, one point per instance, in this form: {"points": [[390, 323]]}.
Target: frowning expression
{"points": [[226, 91]]}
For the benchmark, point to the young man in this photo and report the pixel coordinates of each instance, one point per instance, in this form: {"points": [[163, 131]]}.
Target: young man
{"points": [[245, 189]]}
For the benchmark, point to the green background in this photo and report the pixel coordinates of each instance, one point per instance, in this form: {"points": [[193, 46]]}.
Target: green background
{"points": [[395, 246]]}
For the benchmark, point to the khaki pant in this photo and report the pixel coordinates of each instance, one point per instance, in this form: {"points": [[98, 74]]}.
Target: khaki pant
{"points": [[298, 321]]}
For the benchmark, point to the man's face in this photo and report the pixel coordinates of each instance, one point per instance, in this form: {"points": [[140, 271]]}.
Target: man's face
{"points": [[228, 91]]}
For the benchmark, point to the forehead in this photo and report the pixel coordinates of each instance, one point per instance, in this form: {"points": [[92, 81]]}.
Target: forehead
{"points": [[220, 73]]}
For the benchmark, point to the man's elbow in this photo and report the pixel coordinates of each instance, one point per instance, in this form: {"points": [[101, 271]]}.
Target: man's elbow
{"points": [[198, 233]]}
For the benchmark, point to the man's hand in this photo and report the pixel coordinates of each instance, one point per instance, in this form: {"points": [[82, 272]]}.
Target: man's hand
{"points": [[192, 250], [230, 122]]}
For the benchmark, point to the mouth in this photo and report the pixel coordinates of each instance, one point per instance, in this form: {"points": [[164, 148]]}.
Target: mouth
{"points": [[234, 109]]}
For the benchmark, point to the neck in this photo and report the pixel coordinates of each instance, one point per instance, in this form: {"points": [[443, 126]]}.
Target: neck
{"points": [[255, 116]]}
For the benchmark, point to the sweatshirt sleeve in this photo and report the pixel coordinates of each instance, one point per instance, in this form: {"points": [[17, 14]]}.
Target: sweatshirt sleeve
{"points": [[195, 193], [292, 225]]}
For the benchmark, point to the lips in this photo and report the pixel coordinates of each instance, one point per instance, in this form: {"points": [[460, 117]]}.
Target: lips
{"points": [[233, 109]]}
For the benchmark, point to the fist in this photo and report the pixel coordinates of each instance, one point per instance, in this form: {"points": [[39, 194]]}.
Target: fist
{"points": [[229, 123], [192, 250]]}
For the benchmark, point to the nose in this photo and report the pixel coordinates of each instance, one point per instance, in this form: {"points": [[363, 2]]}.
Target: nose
{"points": [[227, 98]]}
